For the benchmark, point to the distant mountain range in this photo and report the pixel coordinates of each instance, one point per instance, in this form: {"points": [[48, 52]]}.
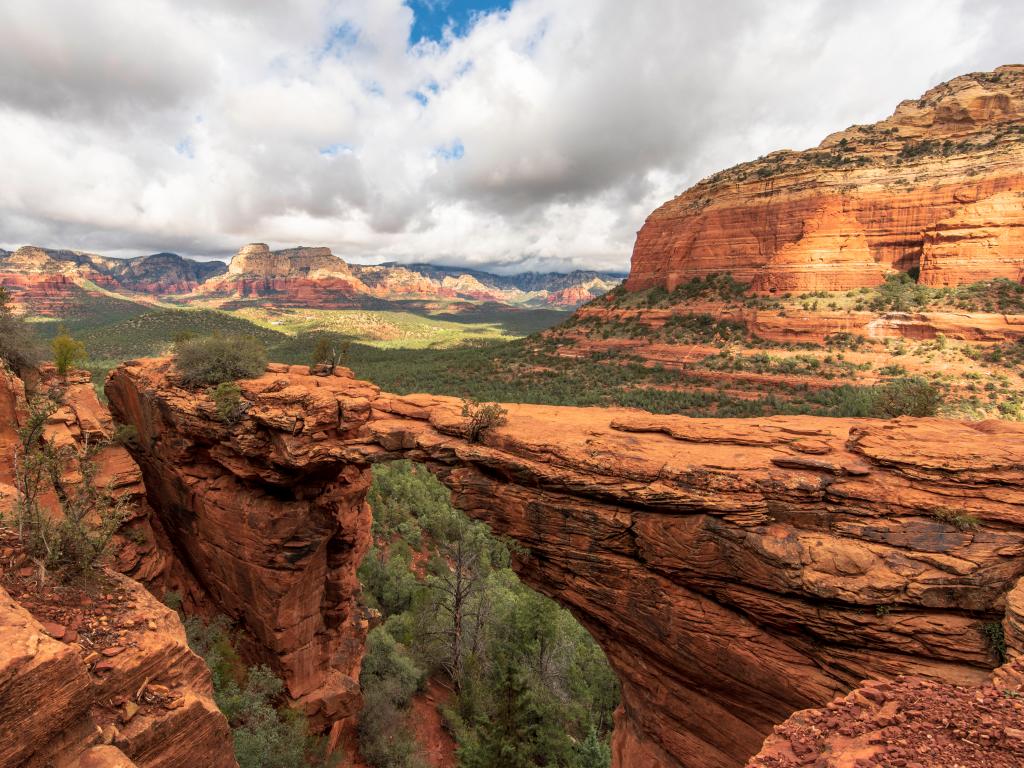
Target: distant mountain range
{"points": [[44, 280]]}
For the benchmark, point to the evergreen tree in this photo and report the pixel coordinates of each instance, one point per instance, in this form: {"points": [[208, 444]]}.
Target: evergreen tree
{"points": [[592, 752]]}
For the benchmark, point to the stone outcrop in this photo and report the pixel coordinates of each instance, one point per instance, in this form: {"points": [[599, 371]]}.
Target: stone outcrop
{"points": [[913, 719], [797, 325], [936, 186], [734, 571], [145, 701]]}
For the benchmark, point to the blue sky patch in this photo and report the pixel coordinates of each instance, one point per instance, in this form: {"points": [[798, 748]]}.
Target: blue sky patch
{"points": [[186, 148], [453, 151], [432, 16], [333, 150]]}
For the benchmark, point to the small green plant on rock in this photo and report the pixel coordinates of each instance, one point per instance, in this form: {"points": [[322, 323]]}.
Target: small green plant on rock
{"points": [[959, 520], [995, 639], [126, 435], [481, 417], [227, 398], [330, 352]]}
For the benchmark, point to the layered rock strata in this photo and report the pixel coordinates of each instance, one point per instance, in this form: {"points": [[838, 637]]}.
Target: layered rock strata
{"points": [[937, 187], [146, 701], [295, 276], [734, 571]]}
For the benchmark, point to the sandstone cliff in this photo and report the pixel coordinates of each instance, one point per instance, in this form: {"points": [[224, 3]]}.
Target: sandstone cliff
{"points": [[102, 679], [111, 683], [937, 186], [734, 571]]}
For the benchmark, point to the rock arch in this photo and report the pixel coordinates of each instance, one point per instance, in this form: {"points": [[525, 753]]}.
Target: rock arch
{"points": [[734, 571]]}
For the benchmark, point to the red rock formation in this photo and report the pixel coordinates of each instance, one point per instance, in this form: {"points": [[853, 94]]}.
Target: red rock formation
{"points": [[910, 720], [48, 282], [734, 571], [42, 294], [937, 186], [310, 277], [55, 696], [149, 698]]}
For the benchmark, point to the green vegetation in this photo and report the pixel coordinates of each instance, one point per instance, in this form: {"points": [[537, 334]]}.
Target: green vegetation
{"points": [[18, 345], [995, 638], [908, 396], [330, 352], [530, 687], [959, 520], [266, 734], [713, 287], [902, 293], [480, 418], [72, 545], [217, 359], [68, 353], [227, 398], [412, 329]]}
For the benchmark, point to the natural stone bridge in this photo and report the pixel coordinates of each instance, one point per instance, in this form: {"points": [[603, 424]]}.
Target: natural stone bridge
{"points": [[734, 571]]}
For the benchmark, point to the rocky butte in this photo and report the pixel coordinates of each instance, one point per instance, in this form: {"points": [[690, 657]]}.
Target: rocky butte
{"points": [[937, 187], [734, 571]]}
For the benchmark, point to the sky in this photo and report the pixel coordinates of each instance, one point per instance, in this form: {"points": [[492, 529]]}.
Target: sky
{"points": [[527, 134]]}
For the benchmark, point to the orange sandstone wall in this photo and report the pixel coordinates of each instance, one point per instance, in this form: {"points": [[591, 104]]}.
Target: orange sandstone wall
{"points": [[734, 571], [937, 186]]}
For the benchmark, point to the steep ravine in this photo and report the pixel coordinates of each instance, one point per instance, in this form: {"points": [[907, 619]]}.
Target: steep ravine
{"points": [[102, 678], [734, 571]]}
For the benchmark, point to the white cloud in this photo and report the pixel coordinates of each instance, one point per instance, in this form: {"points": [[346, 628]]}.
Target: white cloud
{"points": [[540, 139]]}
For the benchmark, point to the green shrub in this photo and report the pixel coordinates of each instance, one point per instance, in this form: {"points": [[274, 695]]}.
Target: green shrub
{"points": [[330, 352], [908, 396], [482, 417], [216, 359], [126, 435], [72, 545], [995, 638], [68, 353], [227, 398], [389, 678], [960, 520], [266, 735]]}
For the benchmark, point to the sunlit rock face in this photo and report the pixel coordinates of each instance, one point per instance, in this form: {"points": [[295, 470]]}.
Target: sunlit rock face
{"points": [[937, 186], [734, 571]]}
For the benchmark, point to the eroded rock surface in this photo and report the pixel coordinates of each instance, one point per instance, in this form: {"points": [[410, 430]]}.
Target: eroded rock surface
{"points": [[145, 701], [935, 186], [734, 571]]}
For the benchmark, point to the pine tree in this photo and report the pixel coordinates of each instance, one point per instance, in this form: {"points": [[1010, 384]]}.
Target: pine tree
{"points": [[592, 752]]}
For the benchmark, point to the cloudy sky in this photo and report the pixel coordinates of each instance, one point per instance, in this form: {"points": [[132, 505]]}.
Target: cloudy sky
{"points": [[517, 135]]}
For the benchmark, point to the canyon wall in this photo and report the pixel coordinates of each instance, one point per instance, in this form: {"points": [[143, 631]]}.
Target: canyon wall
{"points": [[937, 186], [103, 679], [734, 571]]}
